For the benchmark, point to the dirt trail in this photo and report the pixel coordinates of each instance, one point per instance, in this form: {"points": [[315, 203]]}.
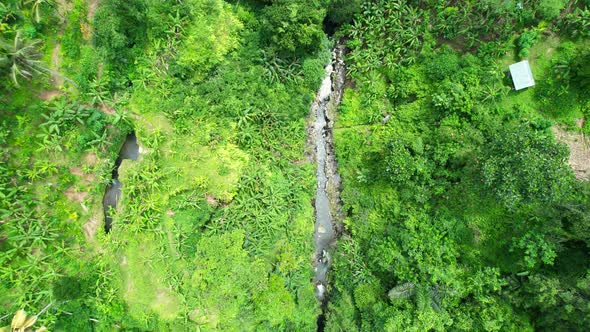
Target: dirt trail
{"points": [[56, 63], [92, 8], [579, 146], [63, 8], [48, 95], [86, 27]]}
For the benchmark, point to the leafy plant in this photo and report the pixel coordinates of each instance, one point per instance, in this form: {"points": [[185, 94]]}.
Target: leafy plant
{"points": [[524, 166], [577, 23], [525, 41]]}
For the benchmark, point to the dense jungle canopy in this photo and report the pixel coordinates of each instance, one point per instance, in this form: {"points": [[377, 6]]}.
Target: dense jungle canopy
{"points": [[463, 205]]}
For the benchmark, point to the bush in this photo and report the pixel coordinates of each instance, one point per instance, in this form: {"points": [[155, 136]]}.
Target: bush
{"points": [[451, 98], [293, 28], [525, 41], [524, 166], [443, 65], [576, 23], [343, 11], [581, 72], [313, 72], [212, 34], [550, 9]]}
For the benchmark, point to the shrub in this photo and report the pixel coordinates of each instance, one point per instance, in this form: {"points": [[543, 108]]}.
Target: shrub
{"points": [[451, 98], [343, 11], [313, 72], [293, 28], [212, 34], [550, 9], [443, 65], [522, 166], [525, 41], [577, 23]]}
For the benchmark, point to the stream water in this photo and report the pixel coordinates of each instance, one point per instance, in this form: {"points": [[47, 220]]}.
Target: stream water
{"points": [[328, 214], [112, 194]]}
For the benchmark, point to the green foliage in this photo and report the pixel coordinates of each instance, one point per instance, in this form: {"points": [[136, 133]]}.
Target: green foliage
{"points": [[537, 250], [525, 41], [386, 34], [20, 57], [577, 23], [550, 9], [562, 305], [443, 66], [457, 194], [461, 213], [293, 28], [402, 291], [213, 32], [481, 24], [523, 166], [343, 11], [580, 69], [451, 98], [402, 163], [63, 117], [120, 27]]}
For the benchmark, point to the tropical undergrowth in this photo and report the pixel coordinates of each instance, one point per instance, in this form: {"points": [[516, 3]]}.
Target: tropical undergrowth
{"points": [[214, 228], [462, 212]]}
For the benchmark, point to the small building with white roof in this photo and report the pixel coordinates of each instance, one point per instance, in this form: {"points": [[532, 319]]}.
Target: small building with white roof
{"points": [[521, 74]]}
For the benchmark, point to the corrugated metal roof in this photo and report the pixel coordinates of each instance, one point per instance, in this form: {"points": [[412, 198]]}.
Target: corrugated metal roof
{"points": [[522, 76]]}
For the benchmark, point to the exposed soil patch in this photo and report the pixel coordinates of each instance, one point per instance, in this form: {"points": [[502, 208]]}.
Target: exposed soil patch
{"points": [[86, 30], [79, 172], [579, 146], [86, 26], [92, 7], [99, 71], [76, 196], [107, 109], [457, 44], [91, 227], [48, 95], [91, 159], [57, 80], [103, 108], [211, 200]]}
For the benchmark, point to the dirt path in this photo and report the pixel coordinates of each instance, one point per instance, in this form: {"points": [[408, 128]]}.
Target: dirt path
{"points": [[87, 26], [579, 146], [63, 8], [92, 7], [57, 80]]}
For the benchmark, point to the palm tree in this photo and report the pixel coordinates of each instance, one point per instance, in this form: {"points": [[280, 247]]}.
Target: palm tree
{"points": [[36, 7], [23, 59]]}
